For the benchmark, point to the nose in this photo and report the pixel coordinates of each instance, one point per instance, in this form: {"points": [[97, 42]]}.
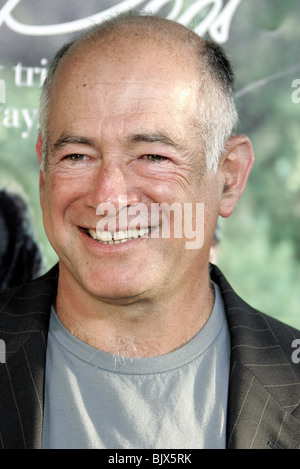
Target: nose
{"points": [[111, 185]]}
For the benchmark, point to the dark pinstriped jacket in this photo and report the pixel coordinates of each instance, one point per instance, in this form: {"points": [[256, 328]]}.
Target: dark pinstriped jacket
{"points": [[264, 389]]}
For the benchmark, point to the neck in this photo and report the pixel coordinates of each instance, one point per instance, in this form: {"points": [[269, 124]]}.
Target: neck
{"points": [[139, 327]]}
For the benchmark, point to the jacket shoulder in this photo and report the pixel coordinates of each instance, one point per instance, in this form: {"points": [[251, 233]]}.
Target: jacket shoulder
{"points": [[254, 333], [25, 311], [30, 296]]}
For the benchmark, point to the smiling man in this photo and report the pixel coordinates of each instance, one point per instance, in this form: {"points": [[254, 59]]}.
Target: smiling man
{"points": [[131, 340]]}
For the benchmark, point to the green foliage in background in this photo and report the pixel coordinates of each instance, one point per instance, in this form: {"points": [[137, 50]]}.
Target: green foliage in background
{"points": [[260, 249]]}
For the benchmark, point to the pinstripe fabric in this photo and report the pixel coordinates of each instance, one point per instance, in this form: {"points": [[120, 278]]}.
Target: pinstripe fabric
{"points": [[263, 408], [264, 390], [24, 320]]}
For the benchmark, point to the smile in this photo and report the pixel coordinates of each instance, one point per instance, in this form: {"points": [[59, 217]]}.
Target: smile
{"points": [[106, 237]]}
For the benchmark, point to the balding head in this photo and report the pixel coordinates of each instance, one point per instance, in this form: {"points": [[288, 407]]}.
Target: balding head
{"points": [[216, 115]]}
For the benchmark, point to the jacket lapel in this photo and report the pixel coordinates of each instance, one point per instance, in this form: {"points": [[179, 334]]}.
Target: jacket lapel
{"points": [[263, 410], [264, 384], [255, 419], [25, 316], [23, 378]]}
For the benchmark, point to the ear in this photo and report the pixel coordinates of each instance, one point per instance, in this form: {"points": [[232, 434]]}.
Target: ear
{"points": [[235, 168], [39, 147]]}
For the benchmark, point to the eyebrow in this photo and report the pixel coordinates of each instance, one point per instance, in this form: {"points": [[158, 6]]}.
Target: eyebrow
{"points": [[66, 139], [158, 137]]}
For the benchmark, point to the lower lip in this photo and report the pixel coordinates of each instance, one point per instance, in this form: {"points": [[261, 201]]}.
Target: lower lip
{"points": [[111, 248]]}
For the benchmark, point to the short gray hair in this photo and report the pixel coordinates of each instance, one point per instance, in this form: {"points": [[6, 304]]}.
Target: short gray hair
{"points": [[217, 115]]}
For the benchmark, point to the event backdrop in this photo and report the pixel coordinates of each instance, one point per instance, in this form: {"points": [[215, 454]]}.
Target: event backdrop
{"points": [[260, 247]]}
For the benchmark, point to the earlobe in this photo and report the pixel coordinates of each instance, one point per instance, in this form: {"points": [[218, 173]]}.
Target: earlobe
{"points": [[235, 168]]}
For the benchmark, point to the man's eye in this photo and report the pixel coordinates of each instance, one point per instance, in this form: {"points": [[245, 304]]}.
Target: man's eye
{"points": [[75, 157], [155, 158]]}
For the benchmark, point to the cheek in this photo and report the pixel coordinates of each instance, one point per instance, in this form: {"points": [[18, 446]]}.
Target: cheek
{"points": [[60, 191], [163, 178], [170, 189]]}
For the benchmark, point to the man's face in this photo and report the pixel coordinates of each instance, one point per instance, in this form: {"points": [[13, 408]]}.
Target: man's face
{"points": [[122, 132]]}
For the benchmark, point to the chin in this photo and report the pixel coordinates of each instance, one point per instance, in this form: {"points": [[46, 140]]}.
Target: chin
{"points": [[114, 292], [119, 296]]}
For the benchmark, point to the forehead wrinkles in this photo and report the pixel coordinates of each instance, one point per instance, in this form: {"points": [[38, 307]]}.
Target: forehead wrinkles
{"points": [[130, 56], [104, 83], [139, 96], [90, 94]]}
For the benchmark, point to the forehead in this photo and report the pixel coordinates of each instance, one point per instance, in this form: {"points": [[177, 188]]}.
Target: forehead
{"points": [[153, 81]]}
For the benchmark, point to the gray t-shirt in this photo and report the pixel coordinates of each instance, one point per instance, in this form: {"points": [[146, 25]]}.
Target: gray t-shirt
{"points": [[94, 399]]}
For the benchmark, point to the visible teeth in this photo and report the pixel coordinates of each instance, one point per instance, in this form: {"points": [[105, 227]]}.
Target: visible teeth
{"points": [[93, 234], [106, 237], [119, 235]]}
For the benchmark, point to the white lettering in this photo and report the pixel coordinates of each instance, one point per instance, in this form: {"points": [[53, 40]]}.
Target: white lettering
{"points": [[196, 7], [296, 93], [216, 21], [219, 29], [176, 208], [197, 233], [155, 5], [26, 76], [30, 117], [296, 353], [138, 216], [12, 117], [140, 213], [62, 28], [109, 217], [171, 458], [217, 26], [2, 91], [119, 459], [2, 351]]}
